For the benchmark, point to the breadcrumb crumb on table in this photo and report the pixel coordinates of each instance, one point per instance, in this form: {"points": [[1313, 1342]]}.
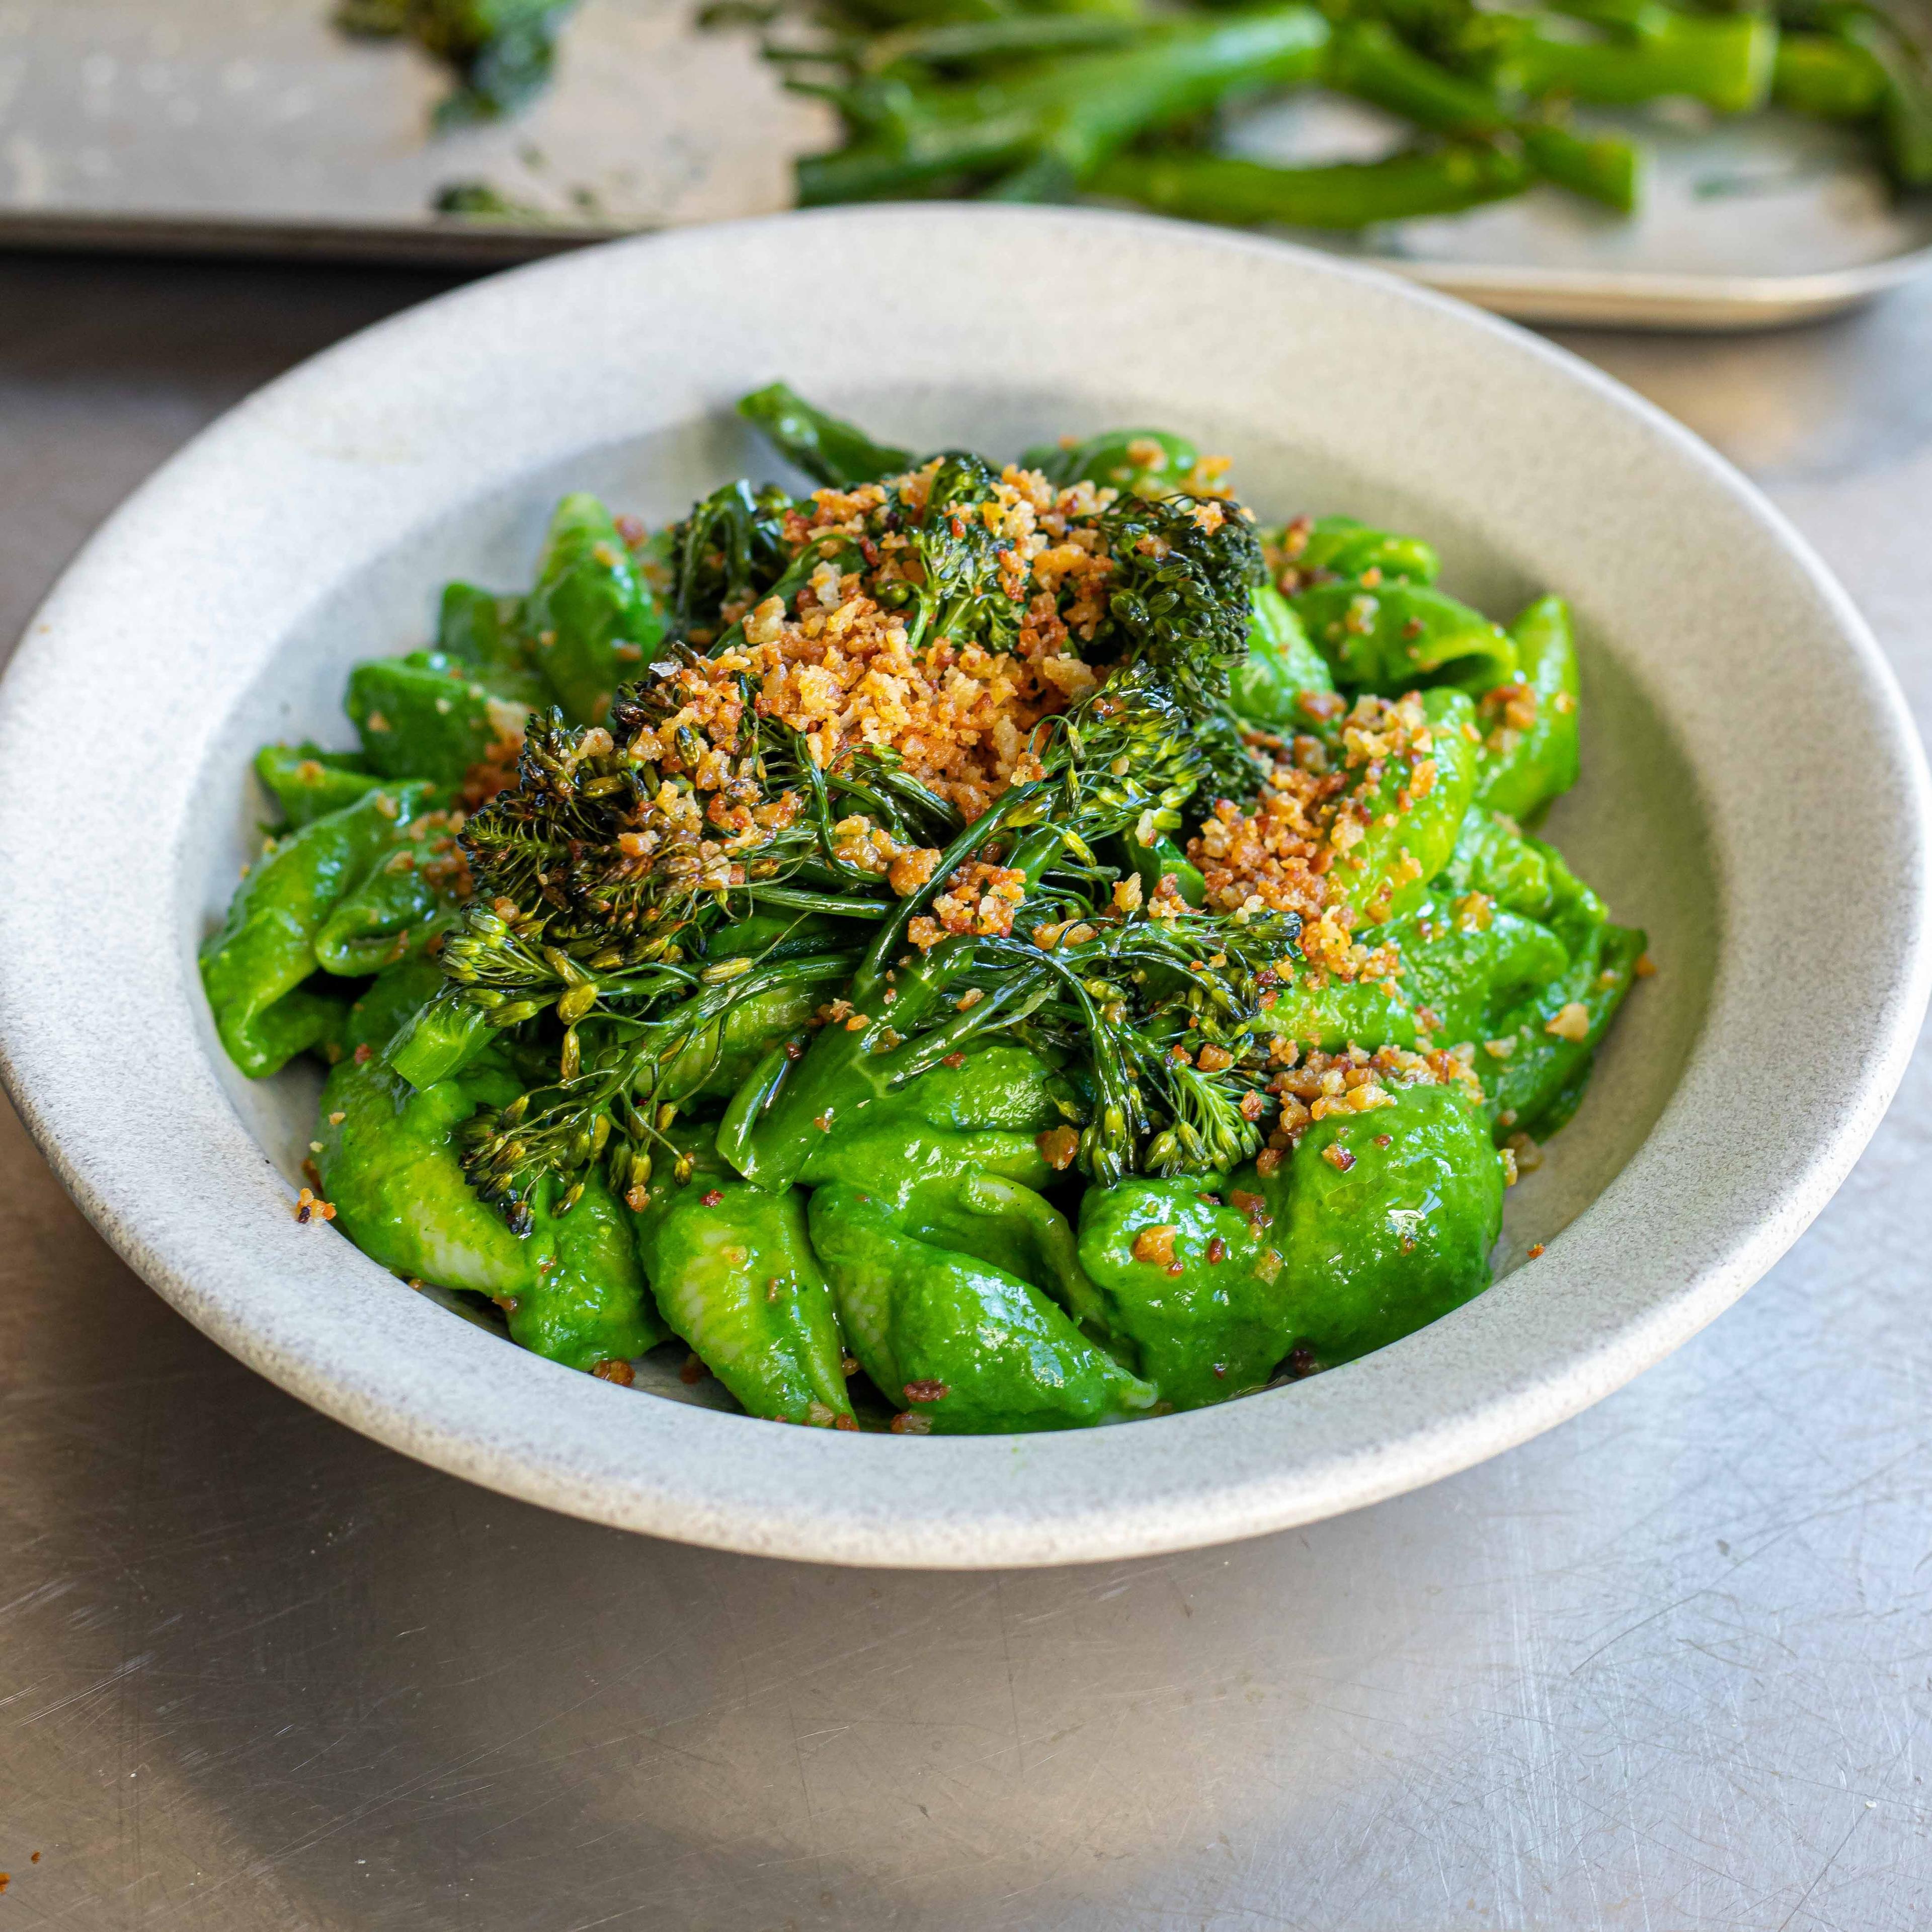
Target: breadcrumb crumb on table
{"points": [[310, 1206]]}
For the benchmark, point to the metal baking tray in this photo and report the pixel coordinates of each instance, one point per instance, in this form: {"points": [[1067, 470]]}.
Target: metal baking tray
{"points": [[252, 126]]}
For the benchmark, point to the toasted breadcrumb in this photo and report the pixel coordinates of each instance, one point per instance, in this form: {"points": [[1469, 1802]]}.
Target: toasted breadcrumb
{"points": [[1572, 1023], [841, 666], [309, 1207], [1309, 818], [1314, 1086], [978, 898]]}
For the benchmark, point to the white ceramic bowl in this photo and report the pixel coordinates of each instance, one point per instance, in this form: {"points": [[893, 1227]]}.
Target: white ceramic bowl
{"points": [[1752, 792]]}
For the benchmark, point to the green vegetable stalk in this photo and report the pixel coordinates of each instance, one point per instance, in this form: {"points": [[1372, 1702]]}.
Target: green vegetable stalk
{"points": [[1044, 130], [1369, 60], [1725, 61], [1332, 194], [828, 450]]}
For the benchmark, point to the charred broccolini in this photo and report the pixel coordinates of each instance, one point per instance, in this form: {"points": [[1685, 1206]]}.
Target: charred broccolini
{"points": [[1027, 932]]}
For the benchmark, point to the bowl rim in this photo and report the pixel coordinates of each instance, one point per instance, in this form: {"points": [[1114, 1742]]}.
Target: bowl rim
{"points": [[203, 1238]]}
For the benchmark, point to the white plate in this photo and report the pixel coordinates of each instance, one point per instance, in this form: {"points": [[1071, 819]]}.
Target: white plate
{"points": [[1753, 794]]}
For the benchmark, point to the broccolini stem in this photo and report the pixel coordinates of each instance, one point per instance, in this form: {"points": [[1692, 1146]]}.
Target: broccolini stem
{"points": [[1599, 167], [1078, 110], [1337, 194], [947, 44], [1905, 113], [1724, 60], [834, 452], [440, 1038], [794, 899], [1368, 60], [1830, 79], [604, 1099]]}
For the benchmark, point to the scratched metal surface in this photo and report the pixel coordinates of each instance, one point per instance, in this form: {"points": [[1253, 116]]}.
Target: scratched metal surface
{"points": [[1669, 1667]]}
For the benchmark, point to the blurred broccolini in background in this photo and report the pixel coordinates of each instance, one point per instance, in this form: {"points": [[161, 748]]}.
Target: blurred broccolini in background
{"points": [[971, 98], [501, 51], [1047, 99]]}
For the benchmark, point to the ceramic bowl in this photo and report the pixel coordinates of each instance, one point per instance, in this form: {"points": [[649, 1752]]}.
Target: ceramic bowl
{"points": [[1753, 794]]}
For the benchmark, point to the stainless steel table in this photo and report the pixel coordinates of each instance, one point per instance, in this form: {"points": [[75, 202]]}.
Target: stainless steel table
{"points": [[1669, 1667]]}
